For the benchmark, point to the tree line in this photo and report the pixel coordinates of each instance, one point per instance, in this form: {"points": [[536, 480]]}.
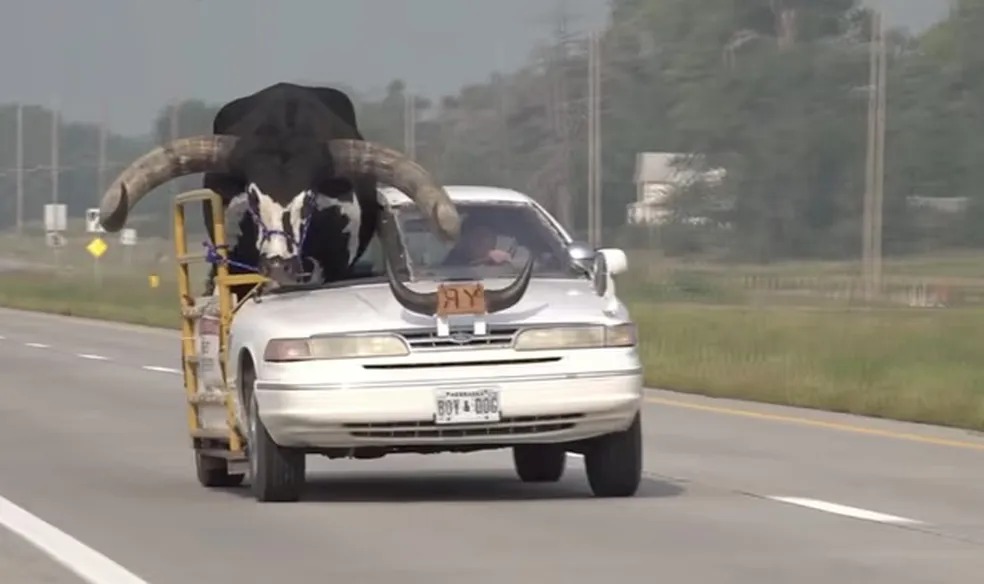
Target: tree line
{"points": [[772, 91]]}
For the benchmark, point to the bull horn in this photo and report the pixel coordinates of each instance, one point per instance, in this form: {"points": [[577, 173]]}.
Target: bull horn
{"points": [[360, 157], [426, 302], [417, 302], [174, 159], [503, 298]]}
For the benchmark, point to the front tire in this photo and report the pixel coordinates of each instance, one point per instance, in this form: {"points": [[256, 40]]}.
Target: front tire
{"points": [[276, 473], [614, 462], [539, 463]]}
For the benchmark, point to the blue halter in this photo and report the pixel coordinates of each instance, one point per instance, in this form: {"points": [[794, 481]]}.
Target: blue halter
{"points": [[213, 257]]}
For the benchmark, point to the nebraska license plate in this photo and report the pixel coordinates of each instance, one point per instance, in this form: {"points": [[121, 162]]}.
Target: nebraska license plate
{"points": [[466, 406]]}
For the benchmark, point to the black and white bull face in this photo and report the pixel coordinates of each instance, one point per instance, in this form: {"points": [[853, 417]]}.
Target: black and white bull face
{"points": [[282, 228]]}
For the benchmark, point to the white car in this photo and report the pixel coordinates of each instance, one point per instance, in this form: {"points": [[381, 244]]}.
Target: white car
{"points": [[348, 370]]}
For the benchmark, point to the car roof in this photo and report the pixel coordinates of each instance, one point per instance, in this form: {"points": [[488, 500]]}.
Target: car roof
{"points": [[462, 193]]}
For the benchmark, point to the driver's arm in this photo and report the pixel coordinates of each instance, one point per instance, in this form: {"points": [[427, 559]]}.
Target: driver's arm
{"points": [[499, 256]]}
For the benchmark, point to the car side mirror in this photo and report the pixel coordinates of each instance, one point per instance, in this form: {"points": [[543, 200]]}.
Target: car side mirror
{"points": [[615, 260], [608, 262], [581, 254]]}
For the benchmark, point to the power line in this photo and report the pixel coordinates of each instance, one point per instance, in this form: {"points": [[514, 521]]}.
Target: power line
{"points": [[60, 169]]}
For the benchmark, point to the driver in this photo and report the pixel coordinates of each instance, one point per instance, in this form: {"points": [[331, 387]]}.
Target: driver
{"points": [[477, 246]]}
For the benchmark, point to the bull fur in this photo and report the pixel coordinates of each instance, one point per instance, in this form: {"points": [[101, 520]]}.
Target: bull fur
{"points": [[285, 156], [276, 162]]}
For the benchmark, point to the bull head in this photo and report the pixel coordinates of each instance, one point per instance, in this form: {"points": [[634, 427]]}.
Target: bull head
{"points": [[352, 159]]}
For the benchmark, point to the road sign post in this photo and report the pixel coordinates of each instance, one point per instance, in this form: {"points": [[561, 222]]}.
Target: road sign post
{"points": [[55, 217], [128, 239], [92, 221], [54, 240], [55, 222], [96, 248]]}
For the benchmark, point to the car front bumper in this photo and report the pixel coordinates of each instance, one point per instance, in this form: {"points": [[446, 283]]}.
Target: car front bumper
{"points": [[534, 409]]}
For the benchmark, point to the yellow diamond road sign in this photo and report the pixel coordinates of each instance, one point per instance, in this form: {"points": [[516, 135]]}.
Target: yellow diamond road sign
{"points": [[96, 247]]}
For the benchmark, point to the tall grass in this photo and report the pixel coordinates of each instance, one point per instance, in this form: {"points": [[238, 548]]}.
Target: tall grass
{"points": [[913, 365]]}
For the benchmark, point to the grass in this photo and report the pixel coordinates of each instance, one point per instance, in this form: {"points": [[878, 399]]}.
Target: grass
{"points": [[908, 364], [921, 366], [123, 299]]}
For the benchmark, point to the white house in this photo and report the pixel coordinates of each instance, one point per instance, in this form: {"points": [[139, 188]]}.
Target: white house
{"points": [[656, 177]]}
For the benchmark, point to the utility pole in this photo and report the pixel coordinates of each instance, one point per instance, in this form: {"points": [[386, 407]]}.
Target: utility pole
{"points": [[591, 139], [594, 140], [101, 172], [175, 129], [20, 168], [561, 106], [879, 214], [875, 164], [54, 150], [409, 124], [175, 119], [501, 111]]}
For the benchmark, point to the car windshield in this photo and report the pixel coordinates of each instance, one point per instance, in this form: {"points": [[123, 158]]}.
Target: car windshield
{"points": [[496, 240]]}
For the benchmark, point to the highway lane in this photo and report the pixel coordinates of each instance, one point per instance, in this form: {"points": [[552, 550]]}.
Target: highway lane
{"points": [[22, 563], [93, 443]]}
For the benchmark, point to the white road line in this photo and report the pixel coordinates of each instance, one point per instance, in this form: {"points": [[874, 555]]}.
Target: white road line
{"points": [[38, 345], [854, 512], [575, 455], [87, 563], [93, 357], [160, 369]]}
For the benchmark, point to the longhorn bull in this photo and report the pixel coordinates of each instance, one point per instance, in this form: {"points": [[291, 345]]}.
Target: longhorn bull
{"points": [[291, 162]]}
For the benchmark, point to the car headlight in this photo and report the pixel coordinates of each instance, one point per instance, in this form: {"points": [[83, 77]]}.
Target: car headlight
{"points": [[576, 337], [335, 347]]}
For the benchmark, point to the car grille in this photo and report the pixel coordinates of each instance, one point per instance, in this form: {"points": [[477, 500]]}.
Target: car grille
{"points": [[520, 425], [460, 338]]}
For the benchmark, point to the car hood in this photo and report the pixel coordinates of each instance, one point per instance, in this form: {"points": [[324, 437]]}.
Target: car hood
{"points": [[371, 307]]}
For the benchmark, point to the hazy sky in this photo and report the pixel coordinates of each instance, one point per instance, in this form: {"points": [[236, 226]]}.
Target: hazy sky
{"points": [[131, 56]]}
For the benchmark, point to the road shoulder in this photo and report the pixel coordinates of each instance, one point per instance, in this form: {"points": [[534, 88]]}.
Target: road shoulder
{"points": [[22, 563]]}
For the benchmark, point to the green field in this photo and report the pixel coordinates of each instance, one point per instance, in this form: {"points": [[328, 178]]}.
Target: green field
{"points": [[723, 332]]}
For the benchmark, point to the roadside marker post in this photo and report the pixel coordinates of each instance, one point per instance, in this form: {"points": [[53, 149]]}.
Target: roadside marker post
{"points": [[96, 248], [55, 225], [128, 239]]}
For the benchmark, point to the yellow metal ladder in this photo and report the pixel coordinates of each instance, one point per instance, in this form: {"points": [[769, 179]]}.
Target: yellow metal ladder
{"points": [[227, 442]]}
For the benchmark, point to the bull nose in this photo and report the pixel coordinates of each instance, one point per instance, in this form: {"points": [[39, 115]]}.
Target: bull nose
{"points": [[280, 270]]}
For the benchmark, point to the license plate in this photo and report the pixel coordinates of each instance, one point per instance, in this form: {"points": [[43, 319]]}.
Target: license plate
{"points": [[466, 406], [459, 299]]}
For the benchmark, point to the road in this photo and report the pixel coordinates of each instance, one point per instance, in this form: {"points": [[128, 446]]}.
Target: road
{"points": [[93, 444]]}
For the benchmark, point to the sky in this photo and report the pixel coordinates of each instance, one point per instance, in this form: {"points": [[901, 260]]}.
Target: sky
{"points": [[122, 60]]}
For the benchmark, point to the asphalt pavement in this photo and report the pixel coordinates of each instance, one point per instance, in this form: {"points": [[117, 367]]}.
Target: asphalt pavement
{"points": [[96, 471]]}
